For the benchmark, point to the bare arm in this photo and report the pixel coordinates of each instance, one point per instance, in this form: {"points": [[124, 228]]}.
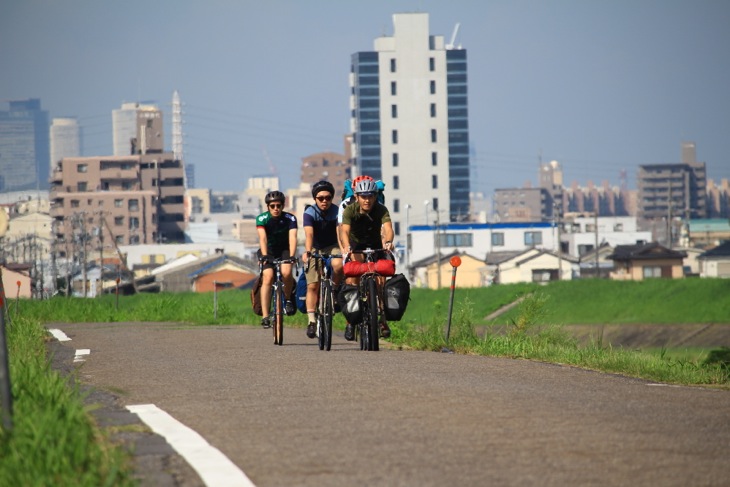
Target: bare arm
{"points": [[263, 241], [387, 235]]}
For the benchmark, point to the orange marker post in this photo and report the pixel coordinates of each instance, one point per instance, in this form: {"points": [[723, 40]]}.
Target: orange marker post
{"points": [[455, 262]]}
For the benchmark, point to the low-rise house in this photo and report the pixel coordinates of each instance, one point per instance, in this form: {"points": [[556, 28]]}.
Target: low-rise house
{"points": [[652, 260], [17, 281], [205, 274], [715, 262], [472, 272], [531, 265]]}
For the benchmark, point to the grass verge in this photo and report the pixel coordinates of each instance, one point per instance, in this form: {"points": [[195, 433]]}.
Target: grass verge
{"points": [[54, 440]]}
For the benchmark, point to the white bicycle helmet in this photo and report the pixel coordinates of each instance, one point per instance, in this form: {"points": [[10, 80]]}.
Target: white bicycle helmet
{"points": [[365, 186]]}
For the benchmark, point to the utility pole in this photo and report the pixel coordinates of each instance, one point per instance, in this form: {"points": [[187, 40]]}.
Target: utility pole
{"points": [[595, 224], [438, 250], [560, 246]]}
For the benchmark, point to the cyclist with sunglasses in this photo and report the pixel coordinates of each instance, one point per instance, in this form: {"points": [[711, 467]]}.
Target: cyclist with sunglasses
{"points": [[366, 224], [320, 232], [277, 230]]}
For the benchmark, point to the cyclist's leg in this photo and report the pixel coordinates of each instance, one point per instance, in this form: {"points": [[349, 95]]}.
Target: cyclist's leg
{"points": [[312, 274], [267, 279]]}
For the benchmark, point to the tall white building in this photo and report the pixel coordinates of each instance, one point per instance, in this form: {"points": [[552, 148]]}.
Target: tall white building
{"points": [[124, 126], [409, 123], [65, 139]]}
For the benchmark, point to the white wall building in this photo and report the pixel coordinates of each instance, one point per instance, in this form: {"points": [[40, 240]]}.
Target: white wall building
{"points": [[479, 239], [124, 126], [580, 234], [65, 139], [409, 121]]}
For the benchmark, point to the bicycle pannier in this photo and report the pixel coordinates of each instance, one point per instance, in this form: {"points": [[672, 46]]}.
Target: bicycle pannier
{"points": [[349, 301], [302, 292], [397, 292], [256, 297]]}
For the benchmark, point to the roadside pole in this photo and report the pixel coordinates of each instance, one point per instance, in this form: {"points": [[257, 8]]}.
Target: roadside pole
{"points": [[215, 300], [455, 262], [5, 390]]}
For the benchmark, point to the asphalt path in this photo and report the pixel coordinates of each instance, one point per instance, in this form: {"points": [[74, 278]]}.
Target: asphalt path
{"points": [[293, 415]]}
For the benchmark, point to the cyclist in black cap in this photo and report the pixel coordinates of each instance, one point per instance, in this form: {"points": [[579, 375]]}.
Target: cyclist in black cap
{"points": [[277, 230]]}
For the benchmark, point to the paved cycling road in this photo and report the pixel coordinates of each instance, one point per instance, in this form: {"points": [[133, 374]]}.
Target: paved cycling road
{"points": [[295, 416]]}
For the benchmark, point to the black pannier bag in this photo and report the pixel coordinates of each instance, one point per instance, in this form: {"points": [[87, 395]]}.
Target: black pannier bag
{"points": [[397, 292], [349, 301]]}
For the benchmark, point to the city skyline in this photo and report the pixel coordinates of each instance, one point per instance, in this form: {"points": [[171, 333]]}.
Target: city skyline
{"points": [[599, 86]]}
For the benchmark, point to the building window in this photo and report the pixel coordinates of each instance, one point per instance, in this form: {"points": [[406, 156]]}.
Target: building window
{"points": [[74, 203], [118, 221], [396, 228], [394, 111], [533, 238], [651, 271], [133, 205], [456, 239], [393, 88], [119, 239], [396, 205], [394, 136], [133, 222], [431, 64], [435, 204], [118, 203], [392, 65], [395, 159], [433, 109], [433, 87], [395, 182], [81, 187], [82, 168], [126, 185], [434, 138], [434, 181], [619, 227], [134, 239], [434, 158], [497, 239]]}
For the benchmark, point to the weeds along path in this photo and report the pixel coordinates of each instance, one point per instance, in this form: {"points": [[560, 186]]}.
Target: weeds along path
{"points": [[293, 415]]}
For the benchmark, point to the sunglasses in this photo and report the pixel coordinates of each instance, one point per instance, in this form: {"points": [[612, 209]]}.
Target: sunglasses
{"points": [[324, 198], [276, 206]]}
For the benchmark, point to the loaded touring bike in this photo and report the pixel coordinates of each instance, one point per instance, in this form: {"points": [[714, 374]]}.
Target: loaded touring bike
{"points": [[372, 275]]}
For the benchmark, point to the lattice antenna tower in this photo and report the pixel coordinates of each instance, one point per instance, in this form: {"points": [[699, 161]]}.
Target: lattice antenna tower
{"points": [[177, 133]]}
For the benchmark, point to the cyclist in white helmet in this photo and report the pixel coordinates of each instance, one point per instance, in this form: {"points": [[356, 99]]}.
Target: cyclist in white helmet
{"points": [[365, 224]]}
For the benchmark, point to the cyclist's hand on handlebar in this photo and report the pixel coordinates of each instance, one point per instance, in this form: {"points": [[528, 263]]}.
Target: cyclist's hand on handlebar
{"points": [[388, 246]]}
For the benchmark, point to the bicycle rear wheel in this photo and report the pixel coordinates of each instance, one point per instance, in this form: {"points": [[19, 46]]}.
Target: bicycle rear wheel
{"points": [[372, 323], [279, 315]]}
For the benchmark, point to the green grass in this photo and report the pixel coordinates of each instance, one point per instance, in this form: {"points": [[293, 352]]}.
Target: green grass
{"points": [[54, 440]]}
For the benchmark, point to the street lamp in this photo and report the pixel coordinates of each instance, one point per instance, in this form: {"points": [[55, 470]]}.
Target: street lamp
{"points": [[426, 203], [408, 240]]}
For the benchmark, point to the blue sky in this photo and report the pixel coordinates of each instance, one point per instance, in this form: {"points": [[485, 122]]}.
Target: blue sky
{"points": [[601, 86]]}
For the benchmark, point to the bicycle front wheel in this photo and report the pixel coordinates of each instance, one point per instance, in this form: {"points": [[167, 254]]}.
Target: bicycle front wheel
{"points": [[279, 315], [326, 317], [372, 323]]}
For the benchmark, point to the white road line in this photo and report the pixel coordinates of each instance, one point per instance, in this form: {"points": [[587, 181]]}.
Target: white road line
{"points": [[59, 335], [214, 468], [81, 353]]}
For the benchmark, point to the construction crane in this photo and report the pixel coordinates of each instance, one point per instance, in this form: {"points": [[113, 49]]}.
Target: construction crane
{"points": [[452, 43]]}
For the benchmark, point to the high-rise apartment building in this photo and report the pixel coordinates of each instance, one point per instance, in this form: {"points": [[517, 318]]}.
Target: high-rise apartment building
{"points": [[24, 146], [65, 139], [121, 200], [668, 191], [125, 127], [409, 122]]}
